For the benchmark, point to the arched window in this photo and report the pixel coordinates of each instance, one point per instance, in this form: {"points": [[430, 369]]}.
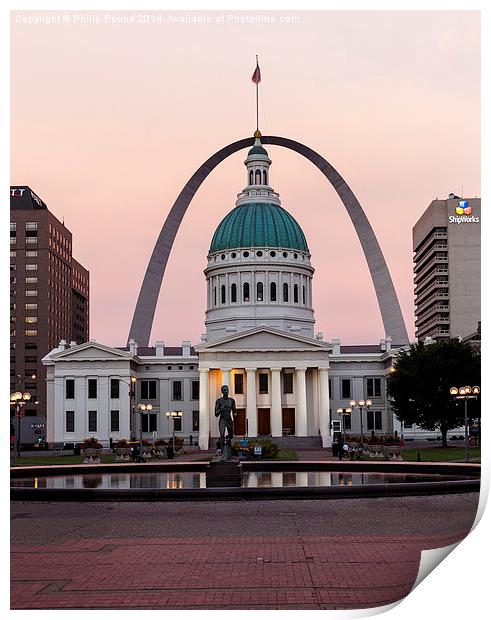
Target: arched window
{"points": [[295, 293], [233, 293], [258, 177], [303, 295], [272, 291], [214, 295], [285, 292], [245, 289], [265, 177], [223, 293], [259, 291], [251, 177]]}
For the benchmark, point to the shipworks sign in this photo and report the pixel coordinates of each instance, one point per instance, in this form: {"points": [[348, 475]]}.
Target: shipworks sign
{"points": [[463, 214]]}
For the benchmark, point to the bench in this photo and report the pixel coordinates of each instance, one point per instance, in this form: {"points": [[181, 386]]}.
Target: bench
{"points": [[376, 452], [56, 447], [392, 453]]}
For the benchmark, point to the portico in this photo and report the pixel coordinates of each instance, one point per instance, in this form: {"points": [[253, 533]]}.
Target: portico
{"points": [[280, 383]]}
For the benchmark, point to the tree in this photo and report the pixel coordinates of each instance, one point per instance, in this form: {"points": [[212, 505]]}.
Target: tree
{"points": [[420, 384]]}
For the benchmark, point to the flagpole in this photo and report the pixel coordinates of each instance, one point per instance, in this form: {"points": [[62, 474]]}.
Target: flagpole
{"points": [[257, 99]]}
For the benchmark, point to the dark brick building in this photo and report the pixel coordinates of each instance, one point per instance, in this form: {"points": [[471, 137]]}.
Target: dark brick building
{"points": [[49, 294]]}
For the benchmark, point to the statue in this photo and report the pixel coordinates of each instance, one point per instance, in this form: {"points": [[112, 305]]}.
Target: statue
{"points": [[226, 411]]}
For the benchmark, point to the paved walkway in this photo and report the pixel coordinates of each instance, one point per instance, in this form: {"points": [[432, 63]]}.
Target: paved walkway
{"points": [[320, 554]]}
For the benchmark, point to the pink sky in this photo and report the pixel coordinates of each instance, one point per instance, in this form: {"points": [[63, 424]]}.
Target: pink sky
{"points": [[110, 121]]}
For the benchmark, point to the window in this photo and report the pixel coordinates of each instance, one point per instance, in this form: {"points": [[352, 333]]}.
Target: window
{"points": [[194, 390], [408, 425], [272, 291], [233, 293], [92, 421], [246, 291], [31, 319], [259, 291], [13, 279], [295, 293], [285, 292], [31, 225], [222, 293], [92, 384], [31, 293], [28, 359], [30, 332], [31, 306], [69, 388], [31, 280], [31, 267], [288, 383], [177, 424], [303, 295], [70, 421], [345, 388], [239, 383], [114, 420], [265, 177], [13, 228], [258, 177], [31, 253], [251, 177], [374, 387], [195, 420], [263, 383], [374, 420], [13, 253], [115, 388], [148, 390], [177, 390], [346, 421], [149, 422]]}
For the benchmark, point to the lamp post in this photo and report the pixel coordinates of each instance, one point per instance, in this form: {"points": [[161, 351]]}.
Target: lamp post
{"points": [[132, 385], [144, 408], [464, 393], [344, 411], [173, 415], [19, 399], [361, 403]]}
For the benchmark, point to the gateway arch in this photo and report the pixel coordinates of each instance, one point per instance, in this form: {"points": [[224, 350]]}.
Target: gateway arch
{"points": [[390, 310]]}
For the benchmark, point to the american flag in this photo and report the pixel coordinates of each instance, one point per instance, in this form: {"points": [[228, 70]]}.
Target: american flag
{"points": [[256, 76]]}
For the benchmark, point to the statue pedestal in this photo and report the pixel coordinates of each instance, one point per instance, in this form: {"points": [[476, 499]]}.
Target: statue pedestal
{"points": [[224, 472]]}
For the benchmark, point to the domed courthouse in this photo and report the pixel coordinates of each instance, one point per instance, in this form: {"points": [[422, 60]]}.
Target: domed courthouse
{"points": [[288, 383], [260, 319]]}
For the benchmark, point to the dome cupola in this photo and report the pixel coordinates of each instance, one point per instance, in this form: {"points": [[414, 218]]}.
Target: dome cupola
{"points": [[259, 270]]}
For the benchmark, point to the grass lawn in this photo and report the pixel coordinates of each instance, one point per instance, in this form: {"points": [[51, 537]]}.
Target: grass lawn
{"points": [[58, 460], [24, 461], [440, 454]]}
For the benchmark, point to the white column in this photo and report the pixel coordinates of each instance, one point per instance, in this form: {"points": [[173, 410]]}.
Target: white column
{"points": [[324, 420], [276, 418], [301, 409], [204, 416], [251, 408], [226, 377]]}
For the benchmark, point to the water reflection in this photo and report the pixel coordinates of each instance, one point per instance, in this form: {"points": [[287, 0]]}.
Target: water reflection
{"points": [[196, 480]]}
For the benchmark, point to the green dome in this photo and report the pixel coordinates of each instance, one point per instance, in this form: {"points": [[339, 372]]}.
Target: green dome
{"points": [[258, 225], [258, 150]]}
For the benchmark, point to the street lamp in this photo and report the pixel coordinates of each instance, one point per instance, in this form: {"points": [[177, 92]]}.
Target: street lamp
{"points": [[19, 399], [132, 385], [361, 404], [144, 408], [173, 415], [344, 411], [464, 393]]}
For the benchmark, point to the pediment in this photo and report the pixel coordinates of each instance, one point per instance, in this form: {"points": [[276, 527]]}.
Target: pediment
{"points": [[91, 351], [264, 339]]}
